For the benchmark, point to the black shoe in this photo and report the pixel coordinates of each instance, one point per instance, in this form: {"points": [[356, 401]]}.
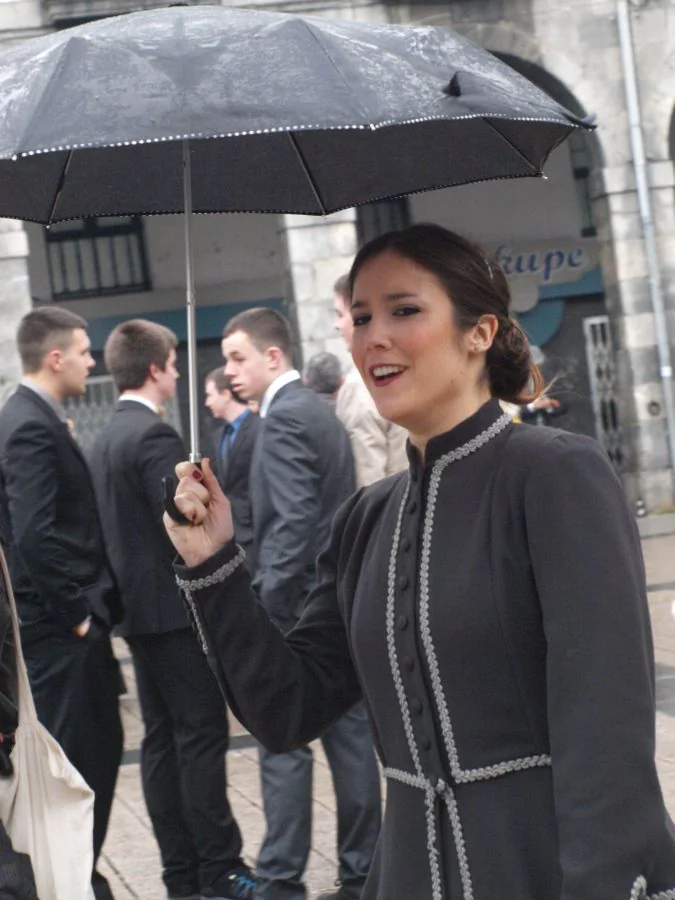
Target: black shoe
{"points": [[185, 896], [238, 884]]}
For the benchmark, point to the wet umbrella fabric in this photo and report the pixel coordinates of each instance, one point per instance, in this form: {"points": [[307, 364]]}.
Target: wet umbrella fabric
{"points": [[319, 115], [213, 109]]}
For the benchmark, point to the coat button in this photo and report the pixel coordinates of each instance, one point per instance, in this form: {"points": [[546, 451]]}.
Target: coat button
{"points": [[406, 545], [409, 663], [412, 507], [403, 582], [416, 705], [425, 743], [402, 622]]}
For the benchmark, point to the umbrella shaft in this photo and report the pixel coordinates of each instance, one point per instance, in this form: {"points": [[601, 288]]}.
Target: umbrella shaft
{"points": [[195, 455]]}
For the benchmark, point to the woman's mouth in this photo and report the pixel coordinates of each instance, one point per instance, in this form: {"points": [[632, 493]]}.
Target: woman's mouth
{"points": [[385, 375]]}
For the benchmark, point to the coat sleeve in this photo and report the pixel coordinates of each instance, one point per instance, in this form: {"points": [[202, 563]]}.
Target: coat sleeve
{"points": [[158, 453], [290, 472], [587, 565], [285, 689], [32, 485]]}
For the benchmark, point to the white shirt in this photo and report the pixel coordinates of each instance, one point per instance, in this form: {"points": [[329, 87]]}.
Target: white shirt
{"points": [[275, 387], [129, 395]]}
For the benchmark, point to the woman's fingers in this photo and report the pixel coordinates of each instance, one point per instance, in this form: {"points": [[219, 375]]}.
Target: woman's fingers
{"points": [[191, 506]]}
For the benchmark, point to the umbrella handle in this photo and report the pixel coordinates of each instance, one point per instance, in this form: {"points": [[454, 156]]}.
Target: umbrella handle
{"points": [[169, 486]]}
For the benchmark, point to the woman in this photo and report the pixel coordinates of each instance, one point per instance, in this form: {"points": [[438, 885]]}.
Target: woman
{"points": [[489, 605]]}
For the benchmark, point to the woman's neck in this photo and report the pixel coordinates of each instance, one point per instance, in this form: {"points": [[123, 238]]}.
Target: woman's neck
{"points": [[447, 418]]}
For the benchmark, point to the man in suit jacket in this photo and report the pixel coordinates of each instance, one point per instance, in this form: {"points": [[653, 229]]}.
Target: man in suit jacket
{"points": [[233, 445], [65, 591], [302, 471], [186, 728], [379, 446]]}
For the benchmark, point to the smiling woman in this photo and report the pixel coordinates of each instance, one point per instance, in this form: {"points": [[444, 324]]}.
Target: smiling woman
{"points": [[488, 605], [433, 336]]}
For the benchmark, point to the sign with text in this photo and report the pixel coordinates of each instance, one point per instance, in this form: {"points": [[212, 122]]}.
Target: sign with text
{"points": [[533, 265]]}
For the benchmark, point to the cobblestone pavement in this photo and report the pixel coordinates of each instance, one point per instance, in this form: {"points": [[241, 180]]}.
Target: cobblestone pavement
{"points": [[130, 858]]}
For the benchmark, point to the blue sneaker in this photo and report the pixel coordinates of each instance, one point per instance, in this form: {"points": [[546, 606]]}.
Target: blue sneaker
{"points": [[238, 884]]}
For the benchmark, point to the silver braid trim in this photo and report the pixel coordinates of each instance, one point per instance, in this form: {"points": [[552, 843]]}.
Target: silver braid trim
{"points": [[445, 792], [220, 575], [459, 775], [391, 638], [197, 625], [417, 780]]}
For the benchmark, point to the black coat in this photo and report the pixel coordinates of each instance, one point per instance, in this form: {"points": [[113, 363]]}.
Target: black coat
{"points": [[235, 480], [302, 471], [490, 608], [50, 523], [129, 458]]}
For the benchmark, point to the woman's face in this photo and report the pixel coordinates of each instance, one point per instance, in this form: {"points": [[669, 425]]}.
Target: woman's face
{"points": [[422, 370]]}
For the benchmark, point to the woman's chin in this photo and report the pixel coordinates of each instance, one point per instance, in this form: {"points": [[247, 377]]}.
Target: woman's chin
{"points": [[392, 411]]}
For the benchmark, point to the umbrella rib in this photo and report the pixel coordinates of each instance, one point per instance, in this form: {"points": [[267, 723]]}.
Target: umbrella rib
{"points": [[308, 174], [59, 187], [512, 146]]}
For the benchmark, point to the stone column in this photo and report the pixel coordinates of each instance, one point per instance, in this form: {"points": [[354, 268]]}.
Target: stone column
{"points": [[318, 251], [15, 299], [648, 475]]}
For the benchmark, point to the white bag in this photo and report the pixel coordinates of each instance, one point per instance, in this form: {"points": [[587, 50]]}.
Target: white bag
{"points": [[46, 806]]}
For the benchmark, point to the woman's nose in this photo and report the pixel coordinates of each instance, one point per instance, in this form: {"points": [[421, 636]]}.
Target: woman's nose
{"points": [[378, 336]]}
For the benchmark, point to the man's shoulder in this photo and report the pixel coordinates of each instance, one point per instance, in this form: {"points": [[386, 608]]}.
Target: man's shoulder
{"points": [[25, 414]]}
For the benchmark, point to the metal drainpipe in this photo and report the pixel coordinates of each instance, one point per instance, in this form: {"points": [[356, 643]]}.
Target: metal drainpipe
{"points": [[646, 217]]}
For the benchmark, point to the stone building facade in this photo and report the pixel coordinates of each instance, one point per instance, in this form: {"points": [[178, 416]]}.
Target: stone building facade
{"points": [[573, 245]]}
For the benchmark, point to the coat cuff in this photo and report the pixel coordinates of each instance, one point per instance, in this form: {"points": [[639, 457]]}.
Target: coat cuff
{"points": [[215, 569]]}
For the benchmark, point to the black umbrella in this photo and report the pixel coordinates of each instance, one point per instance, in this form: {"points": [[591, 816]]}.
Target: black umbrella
{"points": [[211, 109]]}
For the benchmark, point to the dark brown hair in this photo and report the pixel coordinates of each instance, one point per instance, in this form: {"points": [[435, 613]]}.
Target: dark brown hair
{"points": [[43, 330], [265, 328], [476, 286], [133, 347], [342, 287], [222, 383]]}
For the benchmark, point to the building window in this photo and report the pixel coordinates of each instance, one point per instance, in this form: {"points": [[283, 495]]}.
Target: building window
{"points": [[373, 219], [581, 170], [92, 257]]}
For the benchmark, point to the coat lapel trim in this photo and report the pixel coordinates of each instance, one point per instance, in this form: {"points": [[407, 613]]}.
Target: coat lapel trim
{"points": [[418, 779]]}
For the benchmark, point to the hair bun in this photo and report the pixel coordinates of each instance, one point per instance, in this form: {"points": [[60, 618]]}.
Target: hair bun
{"points": [[513, 375]]}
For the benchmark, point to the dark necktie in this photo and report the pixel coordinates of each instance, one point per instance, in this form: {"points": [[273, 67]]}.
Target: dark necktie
{"points": [[226, 444]]}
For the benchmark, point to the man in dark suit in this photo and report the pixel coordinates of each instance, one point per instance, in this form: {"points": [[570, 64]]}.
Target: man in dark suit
{"points": [[233, 445], [302, 471], [65, 591], [186, 728]]}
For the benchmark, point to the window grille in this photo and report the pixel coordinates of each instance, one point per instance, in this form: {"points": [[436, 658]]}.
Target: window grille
{"points": [[94, 257], [373, 219]]}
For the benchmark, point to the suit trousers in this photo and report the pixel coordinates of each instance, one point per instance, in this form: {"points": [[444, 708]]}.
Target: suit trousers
{"points": [[287, 797], [75, 683], [183, 760]]}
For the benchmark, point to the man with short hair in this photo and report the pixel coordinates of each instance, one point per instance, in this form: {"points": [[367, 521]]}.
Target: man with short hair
{"points": [[65, 590], [183, 755], [234, 444], [323, 375], [379, 446], [302, 471]]}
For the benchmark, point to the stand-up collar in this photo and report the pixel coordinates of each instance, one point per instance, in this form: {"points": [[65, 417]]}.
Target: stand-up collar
{"points": [[458, 436]]}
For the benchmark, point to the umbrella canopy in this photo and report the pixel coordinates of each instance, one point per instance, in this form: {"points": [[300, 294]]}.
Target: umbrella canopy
{"points": [[283, 114]]}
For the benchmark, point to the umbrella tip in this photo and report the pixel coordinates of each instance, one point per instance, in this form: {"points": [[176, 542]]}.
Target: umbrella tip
{"points": [[454, 88]]}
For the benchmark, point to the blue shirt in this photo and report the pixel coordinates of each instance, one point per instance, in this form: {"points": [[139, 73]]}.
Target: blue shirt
{"points": [[229, 434]]}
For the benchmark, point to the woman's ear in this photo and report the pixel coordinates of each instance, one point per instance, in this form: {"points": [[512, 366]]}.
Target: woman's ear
{"points": [[483, 333]]}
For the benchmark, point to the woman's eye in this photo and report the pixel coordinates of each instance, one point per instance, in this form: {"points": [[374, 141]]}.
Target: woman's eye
{"points": [[406, 311], [361, 320]]}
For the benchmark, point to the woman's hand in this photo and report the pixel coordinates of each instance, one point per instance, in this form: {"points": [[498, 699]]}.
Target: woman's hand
{"points": [[200, 499]]}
